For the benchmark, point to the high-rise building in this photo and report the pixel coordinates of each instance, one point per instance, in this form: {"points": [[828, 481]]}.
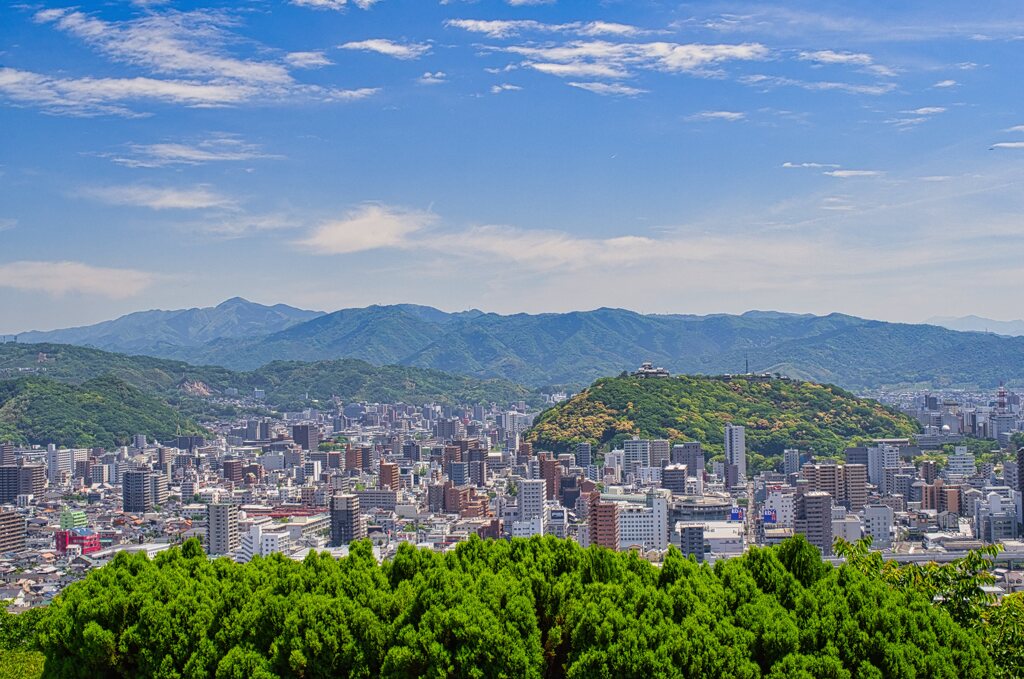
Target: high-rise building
{"points": [[531, 495], [846, 483], [878, 523], [791, 461], [231, 470], [307, 436], [222, 529], [673, 477], [347, 523], [60, 465], [636, 453], [660, 453], [691, 539], [690, 454], [551, 472], [388, 477], [603, 518], [736, 450], [12, 532], [142, 490], [584, 454], [6, 453], [814, 519], [880, 458]]}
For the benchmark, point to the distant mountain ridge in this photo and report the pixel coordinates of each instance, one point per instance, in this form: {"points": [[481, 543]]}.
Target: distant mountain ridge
{"points": [[578, 347], [979, 324], [156, 331]]}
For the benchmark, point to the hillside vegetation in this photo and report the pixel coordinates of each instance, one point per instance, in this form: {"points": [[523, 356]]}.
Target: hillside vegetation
{"points": [[104, 411], [287, 383], [777, 414], [517, 609]]}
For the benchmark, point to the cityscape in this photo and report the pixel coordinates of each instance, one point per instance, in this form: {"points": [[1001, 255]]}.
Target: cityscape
{"points": [[512, 339]]}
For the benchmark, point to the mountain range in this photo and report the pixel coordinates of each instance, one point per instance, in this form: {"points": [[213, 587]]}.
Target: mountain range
{"points": [[571, 348], [980, 324]]}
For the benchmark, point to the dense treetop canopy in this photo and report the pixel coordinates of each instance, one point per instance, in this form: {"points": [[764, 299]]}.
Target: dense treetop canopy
{"points": [[523, 608]]}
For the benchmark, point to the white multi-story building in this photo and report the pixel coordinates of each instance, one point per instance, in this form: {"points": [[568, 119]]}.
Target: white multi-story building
{"points": [[880, 458], [783, 504], [961, 462], [736, 450], [60, 464], [636, 453], [263, 539], [791, 461], [528, 527], [644, 525], [531, 496], [878, 523]]}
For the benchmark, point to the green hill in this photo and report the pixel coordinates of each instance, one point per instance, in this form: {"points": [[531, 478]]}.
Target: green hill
{"points": [[287, 383], [777, 413], [104, 411]]}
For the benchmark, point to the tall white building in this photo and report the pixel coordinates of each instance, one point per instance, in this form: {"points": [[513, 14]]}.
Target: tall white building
{"points": [[961, 462], [222, 528], [644, 525], [878, 523], [636, 453], [736, 450], [532, 494], [783, 503], [60, 464], [263, 539], [881, 458], [791, 460]]}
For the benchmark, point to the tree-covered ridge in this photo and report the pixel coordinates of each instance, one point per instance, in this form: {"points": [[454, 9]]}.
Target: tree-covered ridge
{"points": [[523, 608], [777, 414], [104, 411], [286, 383]]}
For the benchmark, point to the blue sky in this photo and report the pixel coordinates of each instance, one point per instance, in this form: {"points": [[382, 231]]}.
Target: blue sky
{"points": [[511, 156]]}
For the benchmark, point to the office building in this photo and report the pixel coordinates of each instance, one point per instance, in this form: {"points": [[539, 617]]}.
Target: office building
{"points": [[736, 451], [673, 477], [814, 519], [660, 453], [531, 494], [12, 532], [347, 523], [307, 436], [791, 461], [584, 454], [690, 454], [388, 477], [878, 523], [222, 529], [142, 491]]}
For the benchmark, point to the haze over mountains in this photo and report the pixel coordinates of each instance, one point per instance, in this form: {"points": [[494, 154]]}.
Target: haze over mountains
{"points": [[980, 324], [565, 348]]}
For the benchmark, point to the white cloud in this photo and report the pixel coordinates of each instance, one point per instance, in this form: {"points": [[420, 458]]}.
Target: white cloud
{"points": [[160, 198], [62, 278], [927, 110], [729, 116], [831, 57], [307, 59], [214, 149], [790, 165], [6, 224], [232, 225], [847, 174], [336, 5], [504, 28], [1009, 145], [504, 87], [388, 48], [435, 78], [578, 70], [1016, 128], [946, 83], [608, 89], [817, 86], [526, 3], [366, 228]]}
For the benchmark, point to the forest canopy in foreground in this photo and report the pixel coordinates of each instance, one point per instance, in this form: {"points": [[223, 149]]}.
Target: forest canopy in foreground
{"points": [[541, 607]]}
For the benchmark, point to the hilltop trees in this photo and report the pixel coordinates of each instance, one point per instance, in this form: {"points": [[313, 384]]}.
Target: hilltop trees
{"points": [[525, 608]]}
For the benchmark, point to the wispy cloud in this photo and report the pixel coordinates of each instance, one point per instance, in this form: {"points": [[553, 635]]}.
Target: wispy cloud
{"points": [[504, 87], [505, 28], [388, 48], [818, 85], [336, 5], [186, 54], [64, 277], [728, 116], [160, 198], [215, 149], [608, 89], [848, 174], [946, 83], [307, 59], [1009, 145], [790, 165], [368, 227]]}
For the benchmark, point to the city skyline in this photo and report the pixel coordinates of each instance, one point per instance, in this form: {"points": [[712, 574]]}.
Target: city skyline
{"points": [[510, 156]]}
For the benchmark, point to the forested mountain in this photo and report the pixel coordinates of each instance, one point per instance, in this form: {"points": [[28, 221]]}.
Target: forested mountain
{"points": [[157, 332], [526, 608], [288, 384], [104, 411], [578, 347], [777, 414]]}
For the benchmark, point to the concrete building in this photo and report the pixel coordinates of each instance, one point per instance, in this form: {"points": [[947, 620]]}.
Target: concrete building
{"points": [[347, 524], [660, 453], [878, 523], [791, 461], [531, 494], [644, 525], [736, 451], [689, 539], [673, 478], [142, 490], [222, 529], [12, 532], [814, 519], [690, 454]]}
